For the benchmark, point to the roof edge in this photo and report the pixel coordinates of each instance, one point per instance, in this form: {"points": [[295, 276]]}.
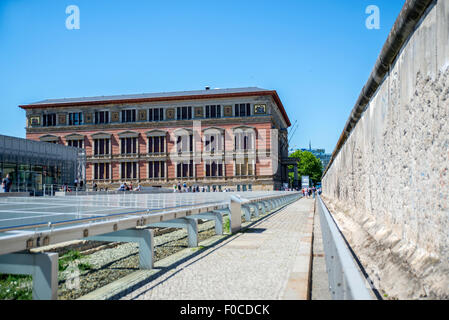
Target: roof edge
{"points": [[272, 93]]}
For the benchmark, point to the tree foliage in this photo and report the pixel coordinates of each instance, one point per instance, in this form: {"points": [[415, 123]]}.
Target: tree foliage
{"points": [[309, 165]]}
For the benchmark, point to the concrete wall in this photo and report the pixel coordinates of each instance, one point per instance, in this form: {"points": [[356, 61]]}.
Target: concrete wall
{"points": [[388, 187]]}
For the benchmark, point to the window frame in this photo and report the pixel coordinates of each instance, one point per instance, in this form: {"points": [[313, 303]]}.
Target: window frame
{"points": [[184, 113], [242, 110], [101, 114], [73, 121], [49, 120], [128, 115]]}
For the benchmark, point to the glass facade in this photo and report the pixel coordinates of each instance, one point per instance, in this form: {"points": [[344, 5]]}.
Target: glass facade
{"points": [[32, 165]]}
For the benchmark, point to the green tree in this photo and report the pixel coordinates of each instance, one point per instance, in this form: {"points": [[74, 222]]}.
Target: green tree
{"points": [[309, 165]]}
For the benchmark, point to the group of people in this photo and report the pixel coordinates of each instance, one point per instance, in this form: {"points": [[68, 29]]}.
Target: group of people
{"points": [[185, 188], [129, 187], [310, 192]]}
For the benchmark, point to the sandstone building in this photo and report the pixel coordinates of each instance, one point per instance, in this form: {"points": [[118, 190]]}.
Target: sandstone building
{"points": [[217, 138]]}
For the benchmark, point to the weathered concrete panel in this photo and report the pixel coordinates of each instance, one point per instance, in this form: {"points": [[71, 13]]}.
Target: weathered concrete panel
{"points": [[389, 184]]}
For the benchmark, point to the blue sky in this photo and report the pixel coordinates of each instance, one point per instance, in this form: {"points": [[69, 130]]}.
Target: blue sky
{"points": [[316, 54]]}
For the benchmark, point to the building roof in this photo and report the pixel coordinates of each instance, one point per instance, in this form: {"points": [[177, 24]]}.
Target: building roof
{"points": [[161, 96]]}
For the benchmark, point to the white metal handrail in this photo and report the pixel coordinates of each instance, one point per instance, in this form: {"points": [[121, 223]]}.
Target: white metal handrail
{"points": [[18, 239], [346, 281]]}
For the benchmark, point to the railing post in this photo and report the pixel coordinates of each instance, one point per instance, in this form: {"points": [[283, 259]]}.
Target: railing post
{"points": [[246, 210], [144, 237], [42, 266], [235, 207]]}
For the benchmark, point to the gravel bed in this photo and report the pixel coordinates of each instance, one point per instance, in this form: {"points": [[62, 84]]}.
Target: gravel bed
{"points": [[112, 264], [117, 260]]}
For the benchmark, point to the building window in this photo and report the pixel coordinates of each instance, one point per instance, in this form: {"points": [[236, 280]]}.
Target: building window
{"points": [[129, 170], [76, 143], [213, 111], [49, 120], [156, 169], [242, 110], [244, 167], [214, 169], [156, 114], [184, 143], [184, 113], [213, 142], [101, 117], [243, 141], [101, 146], [128, 145], [101, 171], [75, 118], [184, 169], [129, 115], [156, 145]]}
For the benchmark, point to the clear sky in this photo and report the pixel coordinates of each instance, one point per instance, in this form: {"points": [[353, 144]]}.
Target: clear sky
{"points": [[316, 54]]}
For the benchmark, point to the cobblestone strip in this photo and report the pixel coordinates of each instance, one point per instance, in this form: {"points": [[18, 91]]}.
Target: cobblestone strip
{"points": [[299, 280], [320, 282], [253, 264]]}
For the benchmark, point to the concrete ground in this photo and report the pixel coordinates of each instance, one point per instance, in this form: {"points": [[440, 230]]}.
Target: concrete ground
{"points": [[269, 260], [320, 283]]}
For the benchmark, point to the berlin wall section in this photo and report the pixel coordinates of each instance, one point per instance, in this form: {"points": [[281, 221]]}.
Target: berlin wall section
{"points": [[388, 186]]}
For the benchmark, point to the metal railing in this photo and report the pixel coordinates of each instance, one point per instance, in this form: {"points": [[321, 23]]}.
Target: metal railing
{"points": [[17, 242], [346, 281]]}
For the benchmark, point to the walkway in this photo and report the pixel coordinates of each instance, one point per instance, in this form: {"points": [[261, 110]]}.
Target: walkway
{"points": [[270, 260]]}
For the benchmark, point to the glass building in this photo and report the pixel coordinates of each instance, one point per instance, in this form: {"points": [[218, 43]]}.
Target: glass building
{"points": [[34, 166]]}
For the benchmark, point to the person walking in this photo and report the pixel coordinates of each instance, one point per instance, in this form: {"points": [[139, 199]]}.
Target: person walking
{"points": [[6, 183]]}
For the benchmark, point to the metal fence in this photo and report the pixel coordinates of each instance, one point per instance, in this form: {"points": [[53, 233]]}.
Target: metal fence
{"points": [[346, 281]]}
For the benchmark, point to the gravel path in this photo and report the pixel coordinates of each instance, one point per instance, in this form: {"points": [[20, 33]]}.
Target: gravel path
{"points": [[250, 265]]}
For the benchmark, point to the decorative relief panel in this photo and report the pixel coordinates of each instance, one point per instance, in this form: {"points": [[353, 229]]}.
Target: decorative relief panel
{"points": [[62, 119], [142, 115], [260, 109], [115, 116], [88, 118], [227, 111], [34, 121], [199, 112], [170, 114]]}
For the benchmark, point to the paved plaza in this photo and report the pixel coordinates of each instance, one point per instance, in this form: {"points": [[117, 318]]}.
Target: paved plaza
{"points": [[269, 260]]}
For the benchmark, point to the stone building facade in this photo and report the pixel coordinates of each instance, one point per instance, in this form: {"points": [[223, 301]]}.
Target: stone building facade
{"points": [[221, 138]]}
